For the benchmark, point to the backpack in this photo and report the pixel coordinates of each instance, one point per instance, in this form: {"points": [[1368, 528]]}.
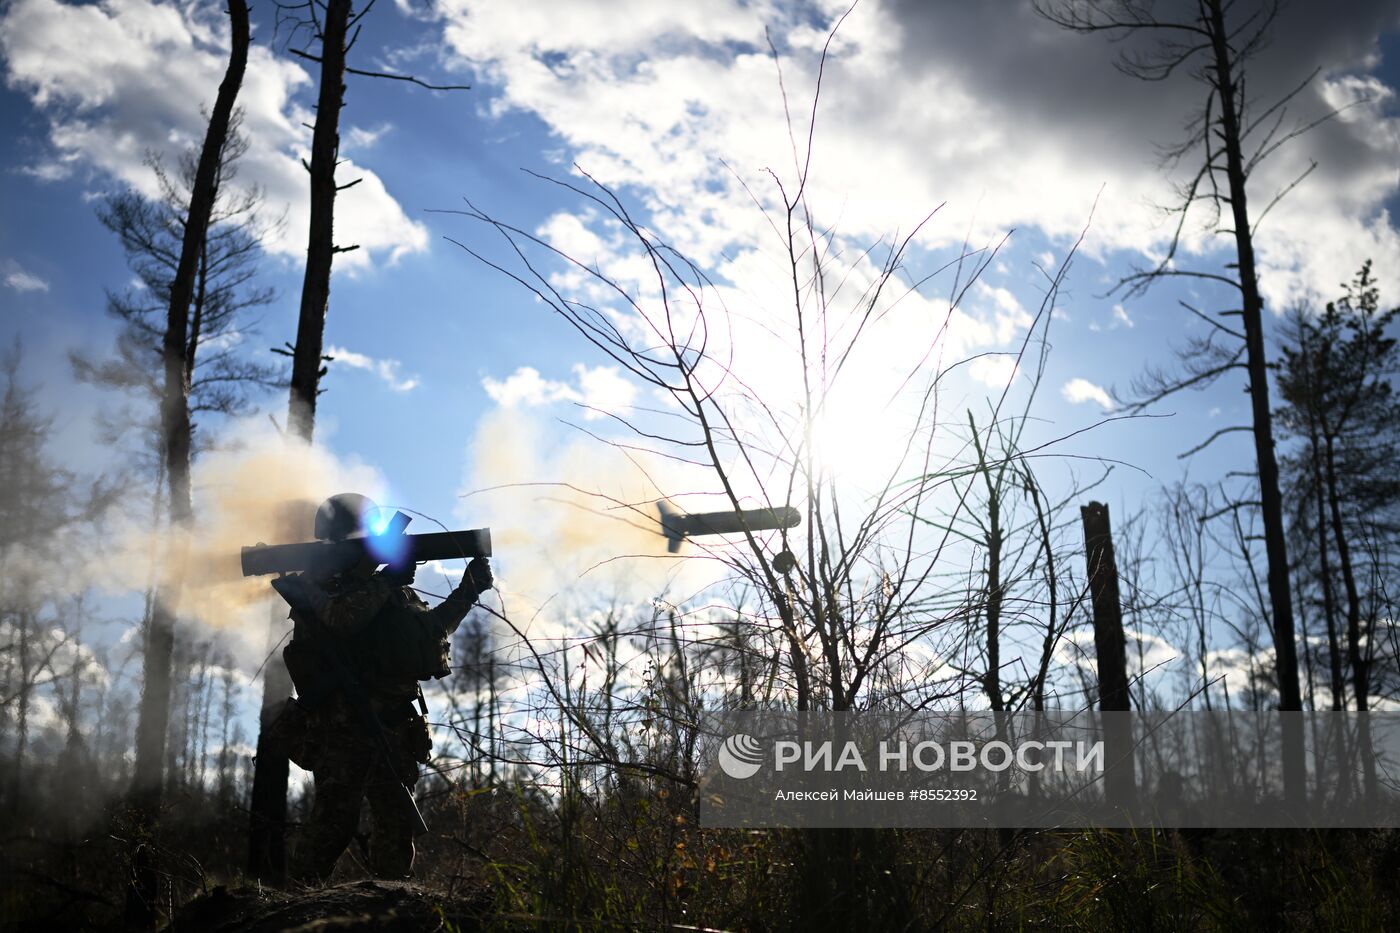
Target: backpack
{"points": [[402, 643]]}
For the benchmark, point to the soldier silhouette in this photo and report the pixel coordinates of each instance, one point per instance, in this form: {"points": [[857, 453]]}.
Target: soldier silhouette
{"points": [[362, 641]]}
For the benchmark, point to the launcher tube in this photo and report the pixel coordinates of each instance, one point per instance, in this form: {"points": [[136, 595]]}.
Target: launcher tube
{"points": [[329, 556]]}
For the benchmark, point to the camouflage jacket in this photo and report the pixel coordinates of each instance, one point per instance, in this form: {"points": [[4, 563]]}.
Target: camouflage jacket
{"points": [[351, 611]]}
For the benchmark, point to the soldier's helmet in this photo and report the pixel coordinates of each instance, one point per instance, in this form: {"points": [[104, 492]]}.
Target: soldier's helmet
{"points": [[343, 516]]}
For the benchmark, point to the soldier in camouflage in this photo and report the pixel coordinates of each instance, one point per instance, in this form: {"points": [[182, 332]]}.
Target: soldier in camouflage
{"points": [[367, 614]]}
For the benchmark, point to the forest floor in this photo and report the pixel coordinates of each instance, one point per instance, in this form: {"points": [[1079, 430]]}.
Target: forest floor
{"points": [[352, 907]]}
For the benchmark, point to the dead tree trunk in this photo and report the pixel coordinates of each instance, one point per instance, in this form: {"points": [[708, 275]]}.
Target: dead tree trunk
{"points": [[1271, 501], [307, 365], [154, 717], [1110, 652], [267, 845]]}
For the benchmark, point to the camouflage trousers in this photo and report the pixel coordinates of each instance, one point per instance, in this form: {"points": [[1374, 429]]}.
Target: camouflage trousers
{"points": [[347, 773]]}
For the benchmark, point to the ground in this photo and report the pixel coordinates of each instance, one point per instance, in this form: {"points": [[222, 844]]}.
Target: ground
{"points": [[396, 907]]}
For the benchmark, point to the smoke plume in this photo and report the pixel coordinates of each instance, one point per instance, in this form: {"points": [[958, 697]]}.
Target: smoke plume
{"points": [[257, 488], [572, 521]]}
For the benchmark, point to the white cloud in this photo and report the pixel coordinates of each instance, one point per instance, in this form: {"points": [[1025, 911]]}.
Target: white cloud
{"points": [[682, 109], [1144, 652], [54, 169], [570, 234], [145, 70], [982, 108], [1237, 672], [1120, 316], [994, 371], [226, 340], [22, 281], [660, 101], [601, 390], [1026, 129], [359, 137], [604, 390], [1008, 314], [1079, 390], [388, 370], [527, 388]]}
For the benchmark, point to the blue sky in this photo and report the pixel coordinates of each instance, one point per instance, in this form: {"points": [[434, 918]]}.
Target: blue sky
{"points": [[1006, 122]]}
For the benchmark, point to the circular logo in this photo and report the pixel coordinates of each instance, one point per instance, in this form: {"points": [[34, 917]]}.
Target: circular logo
{"points": [[740, 756]]}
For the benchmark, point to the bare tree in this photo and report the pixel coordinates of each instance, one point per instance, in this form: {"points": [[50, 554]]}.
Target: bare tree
{"points": [[866, 604], [222, 377], [1190, 551], [42, 504], [307, 365], [176, 446], [1230, 136]]}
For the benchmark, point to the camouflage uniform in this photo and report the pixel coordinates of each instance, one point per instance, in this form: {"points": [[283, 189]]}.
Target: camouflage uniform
{"points": [[350, 763]]}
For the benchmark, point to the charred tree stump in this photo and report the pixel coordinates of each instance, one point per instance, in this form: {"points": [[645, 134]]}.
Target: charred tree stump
{"points": [[1110, 651]]}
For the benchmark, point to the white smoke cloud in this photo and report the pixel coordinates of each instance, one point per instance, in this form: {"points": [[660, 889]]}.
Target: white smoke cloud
{"points": [[574, 522], [256, 488]]}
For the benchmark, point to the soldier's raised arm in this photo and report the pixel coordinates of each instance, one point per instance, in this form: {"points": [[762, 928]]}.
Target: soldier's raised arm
{"points": [[451, 611]]}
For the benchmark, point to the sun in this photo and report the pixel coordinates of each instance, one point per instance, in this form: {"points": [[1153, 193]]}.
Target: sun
{"points": [[860, 445]]}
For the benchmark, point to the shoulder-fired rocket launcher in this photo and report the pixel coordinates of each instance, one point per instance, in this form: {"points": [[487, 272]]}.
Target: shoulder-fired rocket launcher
{"points": [[392, 546]]}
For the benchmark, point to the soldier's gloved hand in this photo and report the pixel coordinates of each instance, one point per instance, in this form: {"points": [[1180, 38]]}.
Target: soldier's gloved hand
{"points": [[401, 575], [478, 575]]}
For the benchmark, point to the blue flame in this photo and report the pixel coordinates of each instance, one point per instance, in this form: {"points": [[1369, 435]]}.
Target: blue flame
{"points": [[378, 521], [383, 545]]}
